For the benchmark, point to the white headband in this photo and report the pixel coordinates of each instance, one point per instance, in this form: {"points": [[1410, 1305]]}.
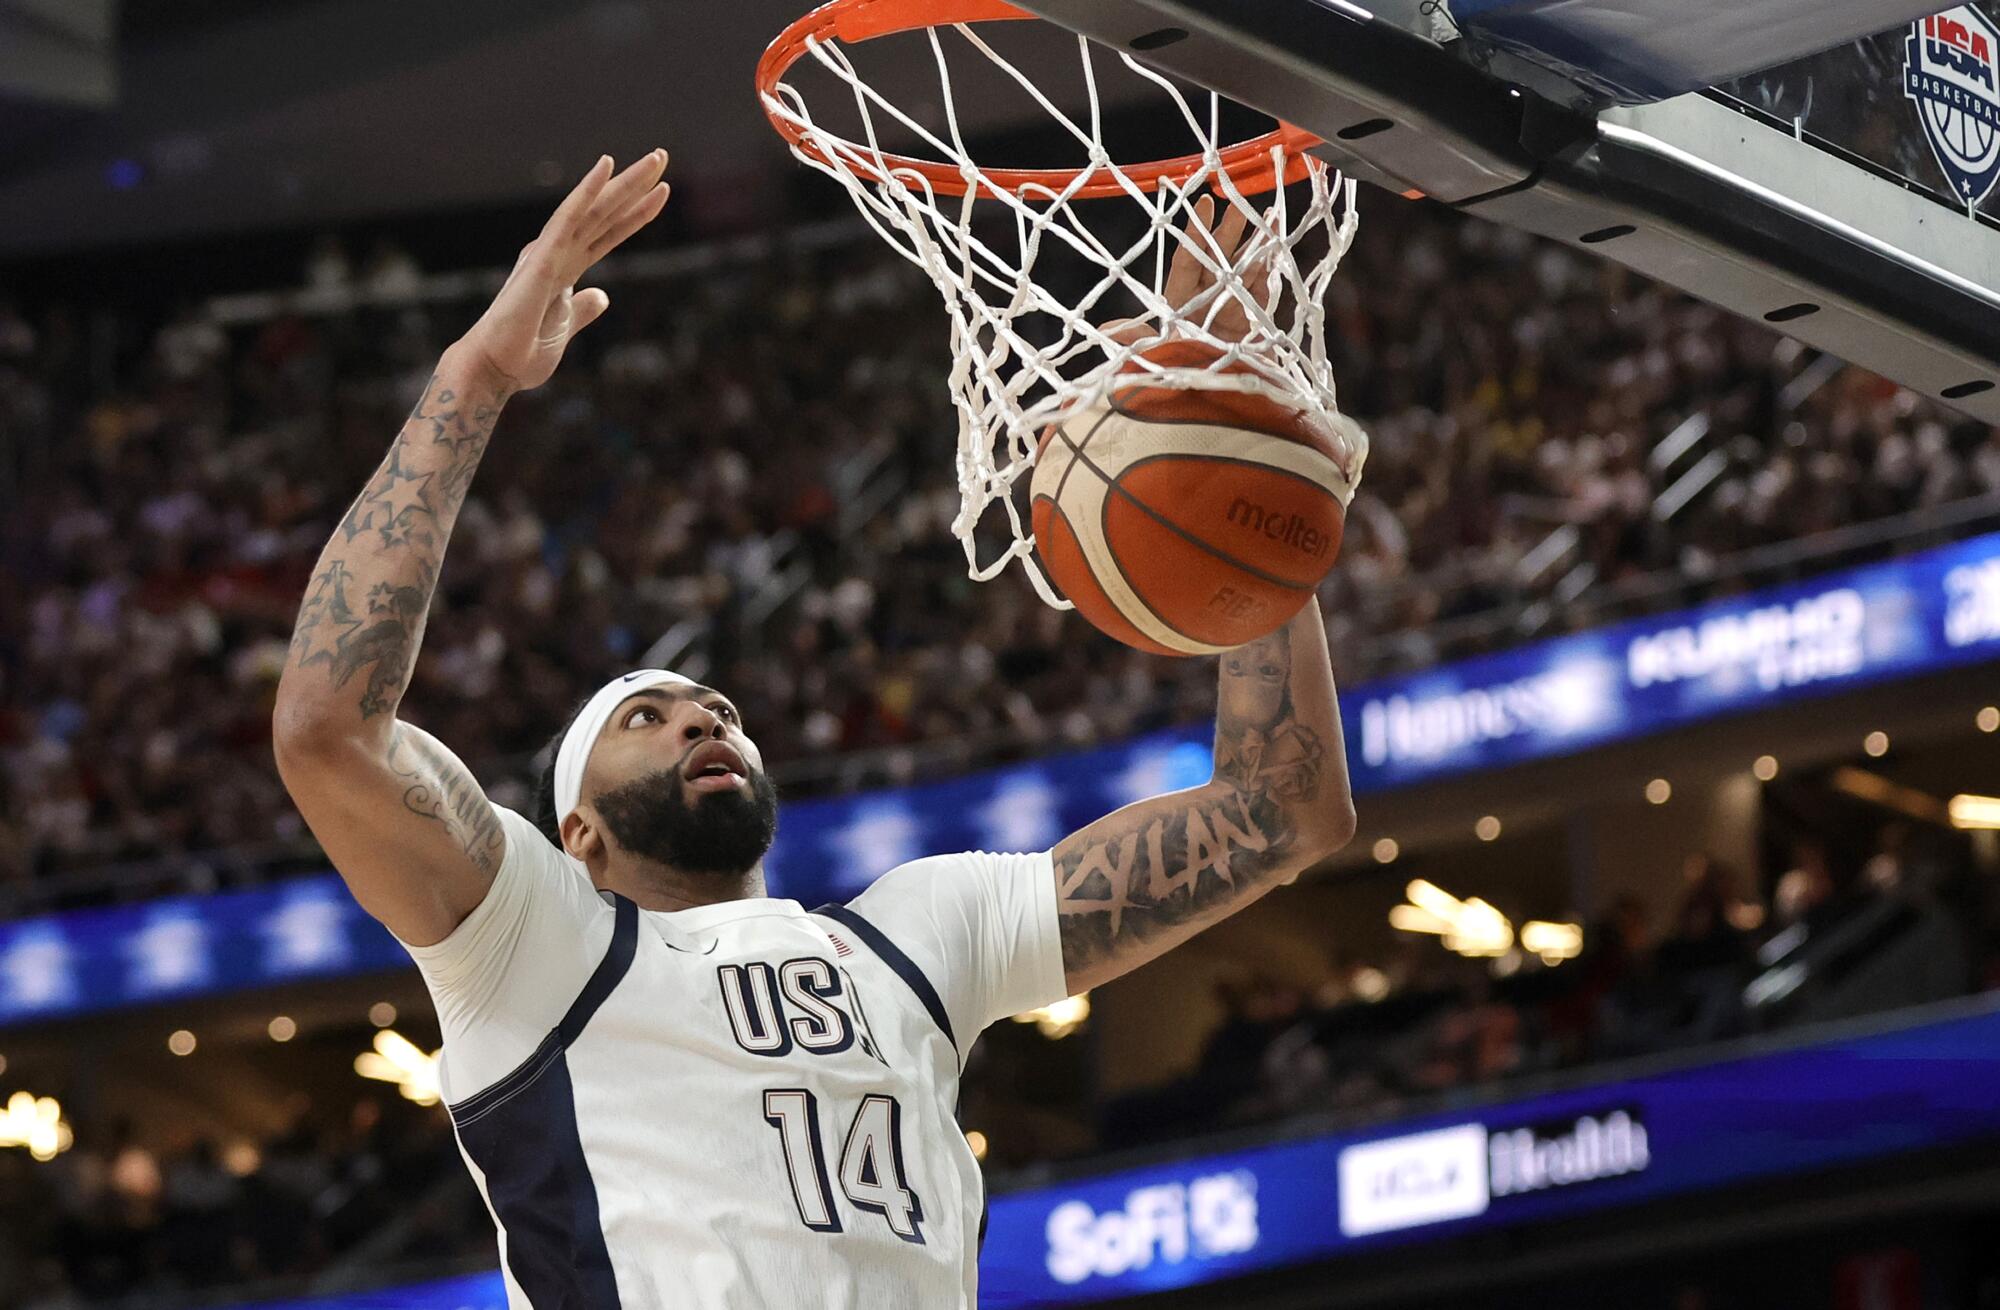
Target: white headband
{"points": [[574, 752]]}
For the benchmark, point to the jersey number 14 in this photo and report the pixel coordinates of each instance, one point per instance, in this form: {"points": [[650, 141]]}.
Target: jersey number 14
{"points": [[871, 1162]]}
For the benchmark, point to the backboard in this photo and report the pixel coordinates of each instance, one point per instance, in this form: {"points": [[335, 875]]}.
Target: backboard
{"points": [[1828, 166]]}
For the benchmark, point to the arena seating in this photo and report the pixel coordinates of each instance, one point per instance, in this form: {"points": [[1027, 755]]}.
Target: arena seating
{"points": [[724, 481]]}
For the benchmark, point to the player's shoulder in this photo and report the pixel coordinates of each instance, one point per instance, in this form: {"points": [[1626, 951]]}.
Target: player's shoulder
{"points": [[912, 874], [936, 881], [951, 863], [525, 839], [536, 869]]}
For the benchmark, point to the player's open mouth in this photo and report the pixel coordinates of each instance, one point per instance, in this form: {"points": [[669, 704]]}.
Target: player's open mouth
{"points": [[715, 766]]}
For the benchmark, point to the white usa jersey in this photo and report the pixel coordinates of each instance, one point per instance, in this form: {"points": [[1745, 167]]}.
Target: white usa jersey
{"points": [[740, 1105]]}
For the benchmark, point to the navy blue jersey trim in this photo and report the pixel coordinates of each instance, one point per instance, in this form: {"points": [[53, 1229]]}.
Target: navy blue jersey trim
{"points": [[892, 955], [522, 1133], [609, 972], [538, 1180]]}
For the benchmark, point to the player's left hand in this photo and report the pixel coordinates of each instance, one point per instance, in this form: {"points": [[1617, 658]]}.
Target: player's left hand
{"points": [[521, 337]]}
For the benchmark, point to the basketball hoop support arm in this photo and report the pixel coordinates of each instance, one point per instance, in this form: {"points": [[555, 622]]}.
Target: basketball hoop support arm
{"points": [[1859, 271]]}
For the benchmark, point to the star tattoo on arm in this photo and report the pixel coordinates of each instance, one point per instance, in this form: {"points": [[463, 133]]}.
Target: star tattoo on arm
{"points": [[394, 503], [326, 620]]}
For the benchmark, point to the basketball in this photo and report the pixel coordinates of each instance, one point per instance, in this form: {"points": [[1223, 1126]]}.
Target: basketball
{"points": [[1187, 522]]}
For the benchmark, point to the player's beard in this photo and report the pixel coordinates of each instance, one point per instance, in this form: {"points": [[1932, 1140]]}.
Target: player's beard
{"points": [[719, 834]]}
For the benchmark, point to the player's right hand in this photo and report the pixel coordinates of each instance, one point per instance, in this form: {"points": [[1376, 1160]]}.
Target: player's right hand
{"points": [[1219, 245], [521, 337]]}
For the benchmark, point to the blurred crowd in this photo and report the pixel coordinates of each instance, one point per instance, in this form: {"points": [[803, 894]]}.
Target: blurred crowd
{"points": [[1894, 919], [114, 1216], [747, 469]]}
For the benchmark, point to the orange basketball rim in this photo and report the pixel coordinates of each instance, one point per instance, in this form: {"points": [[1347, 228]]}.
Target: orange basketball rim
{"points": [[851, 22]]}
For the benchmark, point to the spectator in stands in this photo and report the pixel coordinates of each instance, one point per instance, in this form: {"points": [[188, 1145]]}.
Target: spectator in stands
{"points": [[1705, 960], [199, 1200], [1478, 1040], [1616, 945], [1805, 888], [1256, 1010]]}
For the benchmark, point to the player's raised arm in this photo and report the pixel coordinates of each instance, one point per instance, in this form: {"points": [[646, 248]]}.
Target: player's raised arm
{"points": [[404, 822], [1148, 877]]}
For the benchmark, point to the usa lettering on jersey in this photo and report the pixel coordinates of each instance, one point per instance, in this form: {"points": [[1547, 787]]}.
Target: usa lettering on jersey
{"points": [[774, 1010]]}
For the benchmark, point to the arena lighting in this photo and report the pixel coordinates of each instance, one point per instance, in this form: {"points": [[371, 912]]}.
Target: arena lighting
{"points": [[242, 1158], [1554, 942], [1980, 812], [1386, 851], [1487, 829], [1745, 916], [1878, 790], [1766, 768], [1659, 791], [396, 1059], [1469, 927], [283, 1028], [35, 1122], [977, 1141], [1060, 1019], [1370, 983], [1988, 719], [1876, 744], [181, 1042]]}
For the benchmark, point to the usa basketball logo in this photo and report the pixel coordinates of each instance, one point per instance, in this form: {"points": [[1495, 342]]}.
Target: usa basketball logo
{"points": [[1953, 75]]}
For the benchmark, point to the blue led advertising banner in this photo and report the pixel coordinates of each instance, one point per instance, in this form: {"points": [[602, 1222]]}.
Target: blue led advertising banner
{"points": [[1915, 615], [1223, 1214], [1921, 614], [1784, 1112]]}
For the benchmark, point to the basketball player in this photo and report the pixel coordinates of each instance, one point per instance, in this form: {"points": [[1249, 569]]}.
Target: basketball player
{"points": [[672, 1090]]}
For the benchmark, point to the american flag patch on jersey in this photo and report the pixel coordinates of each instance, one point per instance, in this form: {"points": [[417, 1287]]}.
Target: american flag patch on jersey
{"points": [[840, 946]]}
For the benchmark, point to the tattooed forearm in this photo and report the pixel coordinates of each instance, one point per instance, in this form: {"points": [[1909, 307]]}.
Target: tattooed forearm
{"points": [[1157, 872], [395, 505], [381, 638], [363, 616], [441, 789], [1151, 874]]}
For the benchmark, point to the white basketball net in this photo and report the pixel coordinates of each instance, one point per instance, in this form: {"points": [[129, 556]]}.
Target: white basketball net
{"points": [[1007, 388]]}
